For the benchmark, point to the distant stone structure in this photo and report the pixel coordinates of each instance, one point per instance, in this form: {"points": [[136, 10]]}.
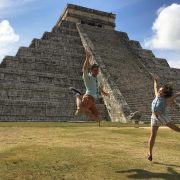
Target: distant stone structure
{"points": [[34, 83]]}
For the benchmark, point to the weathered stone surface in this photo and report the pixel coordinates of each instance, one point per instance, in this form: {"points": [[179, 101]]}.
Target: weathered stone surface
{"points": [[127, 72], [78, 14], [34, 83], [135, 116]]}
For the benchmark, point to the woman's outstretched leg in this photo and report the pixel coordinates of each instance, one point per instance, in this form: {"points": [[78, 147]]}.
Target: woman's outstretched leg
{"points": [[79, 105], [152, 139], [93, 117], [173, 127]]}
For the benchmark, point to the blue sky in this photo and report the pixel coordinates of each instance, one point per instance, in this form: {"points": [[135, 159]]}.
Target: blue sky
{"points": [[23, 20]]}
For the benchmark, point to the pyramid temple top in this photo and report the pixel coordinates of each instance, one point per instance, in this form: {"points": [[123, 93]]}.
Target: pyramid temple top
{"points": [[79, 14]]}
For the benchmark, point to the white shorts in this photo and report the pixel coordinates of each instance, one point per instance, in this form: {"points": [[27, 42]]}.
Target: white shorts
{"points": [[162, 119]]}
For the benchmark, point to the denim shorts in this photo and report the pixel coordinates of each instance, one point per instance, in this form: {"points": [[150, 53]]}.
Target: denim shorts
{"points": [[89, 103], [160, 120]]}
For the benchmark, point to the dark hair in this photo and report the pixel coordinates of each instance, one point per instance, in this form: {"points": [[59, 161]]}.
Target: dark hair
{"points": [[168, 90], [94, 66]]}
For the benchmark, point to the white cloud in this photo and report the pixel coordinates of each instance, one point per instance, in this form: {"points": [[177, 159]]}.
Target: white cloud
{"points": [[8, 38], [165, 41], [166, 29], [7, 34], [161, 9]]}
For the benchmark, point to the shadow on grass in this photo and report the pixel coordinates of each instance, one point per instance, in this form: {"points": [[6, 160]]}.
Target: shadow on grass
{"points": [[144, 174], [172, 165]]}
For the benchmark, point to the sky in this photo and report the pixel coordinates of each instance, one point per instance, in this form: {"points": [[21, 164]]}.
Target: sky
{"points": [[154, 23]]}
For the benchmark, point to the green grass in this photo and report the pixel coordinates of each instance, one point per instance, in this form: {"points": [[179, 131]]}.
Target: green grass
{"points": [[85, 151], [67, 124]]}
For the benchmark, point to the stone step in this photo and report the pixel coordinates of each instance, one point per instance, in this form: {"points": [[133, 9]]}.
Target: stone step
{"points": [[78, 83], [95, 30], [55, 44], [144, 53], [114, 37], [24, 53], [40, 45], [134, 44], [112, 50], [8, 76], [45, 87], [20, 118], [39, 111], [149, 96], [149, 58], [64, 95], [68, 60], [28, 51], [60, 36], [74, 69], [133, 100], [63, 83], [121, 62], [43, 103], [5, 73], [65, 30], [67, 24], [141, 107]]}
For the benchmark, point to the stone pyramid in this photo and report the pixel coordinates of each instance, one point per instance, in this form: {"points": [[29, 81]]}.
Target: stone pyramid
{"points": [[34, 83]]}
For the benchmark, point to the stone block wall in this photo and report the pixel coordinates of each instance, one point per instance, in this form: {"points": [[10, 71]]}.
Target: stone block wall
{"points": [[78, 14], [35, 83], [127, 66]]}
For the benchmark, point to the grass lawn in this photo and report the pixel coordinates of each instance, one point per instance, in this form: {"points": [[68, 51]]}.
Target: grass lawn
{"points": [[84, 151]]}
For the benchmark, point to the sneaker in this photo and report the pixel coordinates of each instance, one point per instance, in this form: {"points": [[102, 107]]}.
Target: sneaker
{"points": [[149, 157], [75, 91]]}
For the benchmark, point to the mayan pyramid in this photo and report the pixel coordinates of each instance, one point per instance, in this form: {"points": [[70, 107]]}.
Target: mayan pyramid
{"points": [[34, 83]]}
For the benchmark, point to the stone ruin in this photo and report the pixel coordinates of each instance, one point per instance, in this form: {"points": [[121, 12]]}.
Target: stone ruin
{"points": [[34, 83]]}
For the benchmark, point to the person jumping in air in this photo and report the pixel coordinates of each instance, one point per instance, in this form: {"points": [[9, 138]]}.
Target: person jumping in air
{"points": [[164, 97], [87, 104]]}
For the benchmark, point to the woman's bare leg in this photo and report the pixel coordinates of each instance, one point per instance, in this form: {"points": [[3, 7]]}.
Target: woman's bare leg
{"points": [[80, 108], [152, 138], [173, 127], [94, 117], [78, 101]]}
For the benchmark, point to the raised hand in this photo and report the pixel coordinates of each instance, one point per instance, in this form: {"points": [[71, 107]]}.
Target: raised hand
{"points": [[88, 52], [155, 76], [106, 94]]}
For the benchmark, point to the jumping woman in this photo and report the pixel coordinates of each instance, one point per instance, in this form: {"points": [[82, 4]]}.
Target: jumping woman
{"points": [[163, 98]]}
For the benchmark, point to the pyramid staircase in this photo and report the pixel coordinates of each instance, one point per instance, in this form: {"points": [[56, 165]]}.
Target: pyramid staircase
{"points": [[35, 83]]}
